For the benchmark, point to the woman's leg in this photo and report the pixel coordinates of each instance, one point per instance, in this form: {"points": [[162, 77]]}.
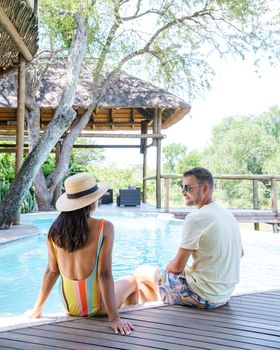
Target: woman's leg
{"points": [[147, 283]]}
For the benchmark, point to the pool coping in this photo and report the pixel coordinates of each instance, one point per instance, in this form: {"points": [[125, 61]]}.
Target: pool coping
{"points": [[24, 321]]}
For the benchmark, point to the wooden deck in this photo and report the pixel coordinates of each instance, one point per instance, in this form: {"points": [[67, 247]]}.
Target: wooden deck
{"points": [[248, 322]]}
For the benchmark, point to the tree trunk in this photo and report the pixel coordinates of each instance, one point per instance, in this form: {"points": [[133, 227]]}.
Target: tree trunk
{"points": [[62, 119], [33, 122]]}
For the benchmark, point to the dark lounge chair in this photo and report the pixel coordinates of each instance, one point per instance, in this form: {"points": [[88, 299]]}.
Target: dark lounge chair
{"points": [[129, 197], [107, 198]]}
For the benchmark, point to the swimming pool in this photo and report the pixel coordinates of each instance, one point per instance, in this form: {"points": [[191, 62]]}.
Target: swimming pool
{"points": [[139, 239]]}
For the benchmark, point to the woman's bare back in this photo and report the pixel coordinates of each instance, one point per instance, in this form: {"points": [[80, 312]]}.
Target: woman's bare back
{"points": [[78, 265]]}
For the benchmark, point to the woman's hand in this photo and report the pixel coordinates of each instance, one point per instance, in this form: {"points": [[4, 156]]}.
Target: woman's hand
{"points": [[121, 326]]}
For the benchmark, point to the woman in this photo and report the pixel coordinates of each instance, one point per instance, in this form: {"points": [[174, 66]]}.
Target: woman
{"points": [[80, 251]]}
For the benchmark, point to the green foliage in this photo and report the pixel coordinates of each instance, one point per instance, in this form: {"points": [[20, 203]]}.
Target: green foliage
{"points": [[57, 20], [7, 175], [49, 165], [87, 156], [191, 160], [118, 178], [29, 205], [172, 155], [240, 145], [7, 167]]}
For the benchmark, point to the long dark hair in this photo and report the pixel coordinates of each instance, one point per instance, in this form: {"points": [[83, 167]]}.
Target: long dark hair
{"points": [[70, 230]]}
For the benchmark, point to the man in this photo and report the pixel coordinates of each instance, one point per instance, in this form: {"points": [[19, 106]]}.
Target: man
{"points": [[211, 236]]}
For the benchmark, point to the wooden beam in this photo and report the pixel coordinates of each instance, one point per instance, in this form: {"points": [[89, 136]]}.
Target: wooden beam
{"points": [[106, 146], [12, 149], [10, 29], [124, 136]]}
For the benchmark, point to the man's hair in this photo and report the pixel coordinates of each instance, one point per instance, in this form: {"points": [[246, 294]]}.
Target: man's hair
{"points": [[202, 175]]}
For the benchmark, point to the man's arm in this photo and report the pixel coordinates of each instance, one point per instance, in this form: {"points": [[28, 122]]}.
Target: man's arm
{"points": [[177, 265]]}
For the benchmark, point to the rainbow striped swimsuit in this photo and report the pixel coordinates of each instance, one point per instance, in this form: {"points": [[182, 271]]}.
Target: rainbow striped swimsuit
{"points": [[83, 298]]}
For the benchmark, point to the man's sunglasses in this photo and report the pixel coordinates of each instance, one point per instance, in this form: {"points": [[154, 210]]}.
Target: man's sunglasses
{"points": [[187, 188]]}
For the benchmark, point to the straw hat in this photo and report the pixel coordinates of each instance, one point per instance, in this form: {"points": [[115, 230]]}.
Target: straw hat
{"points": [[80, 190]]}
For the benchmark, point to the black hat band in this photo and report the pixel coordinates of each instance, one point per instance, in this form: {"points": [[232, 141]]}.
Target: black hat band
{"points": [[82, 193]]}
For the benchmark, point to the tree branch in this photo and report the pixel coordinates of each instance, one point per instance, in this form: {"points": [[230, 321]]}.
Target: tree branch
{"points": [[108, 43]]}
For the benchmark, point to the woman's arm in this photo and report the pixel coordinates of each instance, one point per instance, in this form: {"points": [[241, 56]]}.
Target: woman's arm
{"points": [[49, 280], [106, 282]]}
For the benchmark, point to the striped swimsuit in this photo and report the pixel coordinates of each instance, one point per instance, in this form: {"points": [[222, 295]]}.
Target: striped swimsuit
{"points": [[83, 298]]}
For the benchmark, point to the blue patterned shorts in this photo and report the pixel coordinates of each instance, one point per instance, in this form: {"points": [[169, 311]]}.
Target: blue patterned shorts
{"points": [[174, 289]]}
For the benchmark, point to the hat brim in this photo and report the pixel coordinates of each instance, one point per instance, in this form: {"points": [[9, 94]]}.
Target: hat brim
{"points": [[65, 204]]}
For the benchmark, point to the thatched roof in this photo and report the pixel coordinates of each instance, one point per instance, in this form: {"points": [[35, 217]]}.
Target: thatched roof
{"points": [[127, 97], [18, 28]]}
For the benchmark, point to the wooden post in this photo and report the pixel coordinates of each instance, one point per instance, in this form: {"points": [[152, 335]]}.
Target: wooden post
{"points": [[144, 175], [166, 195], [155, 126], [143, 142], [158, 169], [256, 202], [274, 202], [20, 123], [57, 191]]}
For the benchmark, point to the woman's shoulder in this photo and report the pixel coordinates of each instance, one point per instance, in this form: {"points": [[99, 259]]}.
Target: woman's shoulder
{"points": [[108, 227]]}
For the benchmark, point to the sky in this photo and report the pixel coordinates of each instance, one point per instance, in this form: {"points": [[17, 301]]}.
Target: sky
{"points": [[237, 89]]}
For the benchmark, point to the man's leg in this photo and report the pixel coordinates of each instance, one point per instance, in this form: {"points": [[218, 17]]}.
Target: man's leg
{"points": [[126, 292], [147, 283]]}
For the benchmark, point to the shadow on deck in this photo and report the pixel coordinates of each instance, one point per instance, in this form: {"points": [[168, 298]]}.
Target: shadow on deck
{"points": [[248, 322]]}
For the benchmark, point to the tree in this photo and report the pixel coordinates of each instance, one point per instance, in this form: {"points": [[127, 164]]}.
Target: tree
{"points": [[172, 40], [172, 154], [63, 117], [244, 145], [240, 145], [192, 159]]}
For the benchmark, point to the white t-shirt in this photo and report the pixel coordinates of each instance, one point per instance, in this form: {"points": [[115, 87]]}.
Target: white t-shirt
{"points": [[214, 236]]}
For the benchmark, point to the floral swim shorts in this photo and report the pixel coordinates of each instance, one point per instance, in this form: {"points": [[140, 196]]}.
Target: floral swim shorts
{"points": [[174, 289]]}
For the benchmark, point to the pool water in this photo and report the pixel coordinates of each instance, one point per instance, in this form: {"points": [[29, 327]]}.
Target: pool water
{"points": [[139, 239]]}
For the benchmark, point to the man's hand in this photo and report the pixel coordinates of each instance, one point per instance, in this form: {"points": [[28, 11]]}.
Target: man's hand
{"points": [[177, 265], [121, 326]]}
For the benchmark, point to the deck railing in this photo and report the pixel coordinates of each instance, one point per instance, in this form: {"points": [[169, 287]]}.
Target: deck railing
{"points": [[255, 197]]}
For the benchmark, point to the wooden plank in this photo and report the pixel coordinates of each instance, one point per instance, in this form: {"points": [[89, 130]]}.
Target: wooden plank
{"points": [[36, 342], [223, 320], [163, 339], [204, 324], [147, 331], [226, 312], [209, 315], [15, 344], [94, 338]]}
